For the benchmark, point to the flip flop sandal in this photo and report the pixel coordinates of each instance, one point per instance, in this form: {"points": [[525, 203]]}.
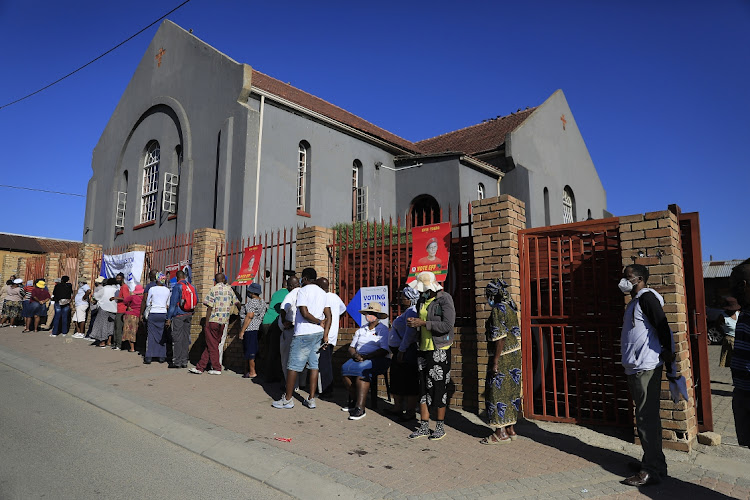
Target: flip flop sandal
{"points": [[489, 441]]}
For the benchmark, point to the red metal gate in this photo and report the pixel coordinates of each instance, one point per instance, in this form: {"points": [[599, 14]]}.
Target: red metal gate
{"points": [[36, 267], [696, 317], [571, 320]]}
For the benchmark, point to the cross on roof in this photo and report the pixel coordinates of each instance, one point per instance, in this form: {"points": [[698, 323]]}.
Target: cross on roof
{"points": [[562, 118], [159, 55]]}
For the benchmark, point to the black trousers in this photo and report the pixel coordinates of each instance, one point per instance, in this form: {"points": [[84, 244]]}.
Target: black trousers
{"points": [[325, 367]]}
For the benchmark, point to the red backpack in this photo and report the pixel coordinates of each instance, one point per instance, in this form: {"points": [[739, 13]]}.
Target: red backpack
{"points": [[189, 298]]}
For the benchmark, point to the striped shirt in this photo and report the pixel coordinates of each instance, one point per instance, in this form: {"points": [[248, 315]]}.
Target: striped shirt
{"points": [[741, 354]]}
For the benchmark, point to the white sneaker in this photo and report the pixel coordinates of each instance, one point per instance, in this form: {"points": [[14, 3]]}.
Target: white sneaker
{"points": [[192, 369], [310, 403], [213, 372], [283, 403], [78, 336], [52, 335]]}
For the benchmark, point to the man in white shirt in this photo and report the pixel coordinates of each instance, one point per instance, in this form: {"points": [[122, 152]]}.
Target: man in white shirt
{"points": [[311, 324], [286, 324], [325, 363]]}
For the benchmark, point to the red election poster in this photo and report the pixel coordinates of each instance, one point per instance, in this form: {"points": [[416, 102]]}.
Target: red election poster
{"points": [[430, 250], [250, 265]]}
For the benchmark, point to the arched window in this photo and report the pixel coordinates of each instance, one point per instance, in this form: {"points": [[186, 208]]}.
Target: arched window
{"points": [[150, 182], [546, 207], [359, 193], [424, 210], [122, 198], [480, 191], [569, 206], [303, 171]]}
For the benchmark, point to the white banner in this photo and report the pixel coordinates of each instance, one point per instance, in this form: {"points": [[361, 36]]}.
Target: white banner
{"points": [[130, 264]]}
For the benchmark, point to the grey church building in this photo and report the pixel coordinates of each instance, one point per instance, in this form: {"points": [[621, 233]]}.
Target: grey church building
{"points": [[200, 140]]}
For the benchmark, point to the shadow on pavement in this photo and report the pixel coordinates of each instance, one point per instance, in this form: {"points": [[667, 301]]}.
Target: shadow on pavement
{"points": [[615, 463]]}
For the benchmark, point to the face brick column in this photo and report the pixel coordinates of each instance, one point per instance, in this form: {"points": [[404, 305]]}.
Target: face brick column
{"points": [[206, 242], [51, 268], [86, 271], [653, 240], [312, 251], [496, 223], [22, 269]]}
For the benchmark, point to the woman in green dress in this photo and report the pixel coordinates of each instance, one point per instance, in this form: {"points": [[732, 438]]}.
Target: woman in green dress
{"points": [[503, 389]]}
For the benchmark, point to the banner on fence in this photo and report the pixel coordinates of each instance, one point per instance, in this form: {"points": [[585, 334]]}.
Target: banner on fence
{"points": [[129, 263], [250, 265], [363, 297], [430, 250], [171, 272]]}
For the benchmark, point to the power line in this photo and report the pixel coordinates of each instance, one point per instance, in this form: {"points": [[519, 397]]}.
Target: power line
{"points": [[42, 190], [93, 60]]}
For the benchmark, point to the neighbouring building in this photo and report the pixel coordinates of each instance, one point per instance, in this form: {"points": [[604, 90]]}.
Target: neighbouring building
{"points": [[200, 140]]}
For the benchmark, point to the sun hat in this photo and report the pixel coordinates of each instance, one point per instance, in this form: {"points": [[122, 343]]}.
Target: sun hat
{"points": [[730, 304], [254, 288], [18, 281], [375, 309], [425, 281], [29, 283], [138, 290], [99, 279], [41, 283]]}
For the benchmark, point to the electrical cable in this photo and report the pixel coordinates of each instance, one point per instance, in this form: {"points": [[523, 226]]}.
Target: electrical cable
{"points": [[93, 60], [42, 190]]}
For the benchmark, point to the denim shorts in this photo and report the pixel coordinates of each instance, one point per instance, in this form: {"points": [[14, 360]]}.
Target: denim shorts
{"points": [[304, 350]]}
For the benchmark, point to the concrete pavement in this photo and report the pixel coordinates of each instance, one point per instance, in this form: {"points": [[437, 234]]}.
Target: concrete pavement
{"points": [[229, 420]]}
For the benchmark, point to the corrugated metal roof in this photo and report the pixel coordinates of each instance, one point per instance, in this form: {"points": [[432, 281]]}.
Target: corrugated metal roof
{"points": [[36, 244], [719, 268]]}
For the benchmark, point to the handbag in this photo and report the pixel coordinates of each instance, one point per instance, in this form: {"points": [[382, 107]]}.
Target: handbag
{"points": [[63, 302]]}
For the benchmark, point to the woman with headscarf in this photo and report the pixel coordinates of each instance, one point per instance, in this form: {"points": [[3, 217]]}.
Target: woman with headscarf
{"points": [[434, 327], [157, 304], [132, 317], [404, 375], [104, 324], [503, 390], [40, 297]]}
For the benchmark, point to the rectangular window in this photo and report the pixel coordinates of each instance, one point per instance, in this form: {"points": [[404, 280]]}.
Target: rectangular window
{"points": [[148, 196], [361, 203], [120, 214], [169, 194], [301, 177]]}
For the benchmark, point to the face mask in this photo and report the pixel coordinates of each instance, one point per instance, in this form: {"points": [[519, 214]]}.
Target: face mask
{"points": [[625, 286], [370, 318]]}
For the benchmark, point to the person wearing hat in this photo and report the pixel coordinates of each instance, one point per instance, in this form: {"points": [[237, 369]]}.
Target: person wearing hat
{"points": [[81, 304], [12, 303], [179, 319], [40, 298], [104, 326], [404, 376], [369, 356], [93, 304], [728, 324], [434, 330], [251, 315]]}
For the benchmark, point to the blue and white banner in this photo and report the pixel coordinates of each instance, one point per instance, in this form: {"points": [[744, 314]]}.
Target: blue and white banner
{"points": [[363, 297], [130, 264]]}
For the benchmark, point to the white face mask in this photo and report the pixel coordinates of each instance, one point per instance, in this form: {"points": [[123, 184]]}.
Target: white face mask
{"points": [[625, 285]]}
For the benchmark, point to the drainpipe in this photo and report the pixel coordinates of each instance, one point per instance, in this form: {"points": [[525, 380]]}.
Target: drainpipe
{"points": [[257, 168]]}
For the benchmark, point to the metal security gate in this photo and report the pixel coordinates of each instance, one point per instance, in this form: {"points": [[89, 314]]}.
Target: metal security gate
{"points": [[571, 320], [696, 317]]}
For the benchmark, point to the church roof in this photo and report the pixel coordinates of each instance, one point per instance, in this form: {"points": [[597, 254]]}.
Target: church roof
{"points": [[479, 138], [325, 108]]}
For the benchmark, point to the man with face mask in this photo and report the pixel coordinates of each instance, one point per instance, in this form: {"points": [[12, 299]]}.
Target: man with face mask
{"points": [[740, 283], [646, 342]]}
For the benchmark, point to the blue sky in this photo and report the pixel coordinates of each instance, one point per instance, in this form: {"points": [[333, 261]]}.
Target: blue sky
{"points": [[658, 89]]}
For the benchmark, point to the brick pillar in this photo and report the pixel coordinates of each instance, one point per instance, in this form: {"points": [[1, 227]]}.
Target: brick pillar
{"points": [[206, 242], [312, 250], [653, 240], [22, 269], [86, 254], [140, 248], [10, 267], [51, 267], [496, 223]]}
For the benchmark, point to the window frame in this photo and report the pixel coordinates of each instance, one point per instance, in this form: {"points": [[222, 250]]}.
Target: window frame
{"points": [[303, 154], [170, 193], [569, 206], [150, 183]]}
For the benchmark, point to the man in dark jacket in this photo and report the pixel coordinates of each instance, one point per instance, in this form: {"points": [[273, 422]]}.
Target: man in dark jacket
{"points": [[61, 295]]}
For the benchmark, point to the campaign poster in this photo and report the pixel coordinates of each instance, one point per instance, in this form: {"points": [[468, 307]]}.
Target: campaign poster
{"points": [[250, 265], [171, 272], [130, 264], [365, 296], [430, 250]]}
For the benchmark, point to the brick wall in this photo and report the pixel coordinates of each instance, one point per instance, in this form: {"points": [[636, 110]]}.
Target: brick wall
{"points": [[205, 243], [496, 255], [653, 240], [312, 250]]}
